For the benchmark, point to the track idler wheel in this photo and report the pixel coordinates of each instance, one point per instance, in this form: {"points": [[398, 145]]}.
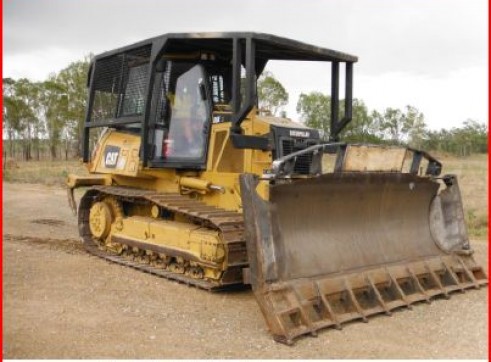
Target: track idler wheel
{"points": [[102, 215], [100, 220]]}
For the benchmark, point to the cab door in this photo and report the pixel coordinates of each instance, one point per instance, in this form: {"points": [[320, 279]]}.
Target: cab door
{"points": [[183, 117]]}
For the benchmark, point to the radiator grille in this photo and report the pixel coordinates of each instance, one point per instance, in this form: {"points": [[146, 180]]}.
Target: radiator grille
{"points": [[303, 162]]}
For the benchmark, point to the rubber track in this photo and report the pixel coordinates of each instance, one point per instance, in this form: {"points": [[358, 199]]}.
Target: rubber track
{"points": [[229, 223]]}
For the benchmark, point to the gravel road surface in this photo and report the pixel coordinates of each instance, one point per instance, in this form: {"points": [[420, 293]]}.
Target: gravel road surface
{"points": [[59, 302]]}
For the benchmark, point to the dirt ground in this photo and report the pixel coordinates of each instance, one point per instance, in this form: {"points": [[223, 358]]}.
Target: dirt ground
{"points": [[59, 302]]}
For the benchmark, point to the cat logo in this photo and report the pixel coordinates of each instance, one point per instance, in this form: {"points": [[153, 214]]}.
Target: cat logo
{"points": [[111, 158], [111, 154]]}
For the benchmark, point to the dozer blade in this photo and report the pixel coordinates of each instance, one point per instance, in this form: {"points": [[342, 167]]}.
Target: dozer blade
{"points": [[344, 246]]}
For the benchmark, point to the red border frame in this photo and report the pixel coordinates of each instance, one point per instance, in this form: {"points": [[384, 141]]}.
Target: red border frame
{"points": [[1, 176], [489, 181]]}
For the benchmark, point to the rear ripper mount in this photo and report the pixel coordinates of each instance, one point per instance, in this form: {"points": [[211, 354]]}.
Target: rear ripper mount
{"points": [[327, 271]]}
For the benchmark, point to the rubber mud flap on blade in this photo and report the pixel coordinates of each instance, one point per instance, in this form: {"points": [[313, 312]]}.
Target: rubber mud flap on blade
{"points": [[343, 246]]}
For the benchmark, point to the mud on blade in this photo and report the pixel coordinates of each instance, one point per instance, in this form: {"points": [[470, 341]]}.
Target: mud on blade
{"points": [[344, 246]]}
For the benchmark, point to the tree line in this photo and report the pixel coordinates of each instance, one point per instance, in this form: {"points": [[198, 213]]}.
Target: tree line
{"points": [[389, 126], [48, 117]]}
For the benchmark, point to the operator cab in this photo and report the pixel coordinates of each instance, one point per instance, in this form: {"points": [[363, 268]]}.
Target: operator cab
{"points": [[170, 89]]}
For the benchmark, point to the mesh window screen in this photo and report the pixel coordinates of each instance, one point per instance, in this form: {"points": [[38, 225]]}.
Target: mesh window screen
{"points": [[120, 83], [134, 95]]}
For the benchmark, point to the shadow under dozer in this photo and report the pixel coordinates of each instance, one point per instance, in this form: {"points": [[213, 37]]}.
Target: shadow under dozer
{"points": [[343, 246]]}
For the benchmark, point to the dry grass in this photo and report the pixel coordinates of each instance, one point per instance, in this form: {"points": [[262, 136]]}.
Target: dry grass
{"points": [[472, 173], [43, 172]]}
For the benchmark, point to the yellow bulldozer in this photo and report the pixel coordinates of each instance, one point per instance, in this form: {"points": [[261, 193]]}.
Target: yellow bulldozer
{"points": [[191, 182]]}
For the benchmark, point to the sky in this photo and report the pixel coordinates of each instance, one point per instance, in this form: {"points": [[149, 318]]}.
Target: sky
{"points": [[431, 54]]}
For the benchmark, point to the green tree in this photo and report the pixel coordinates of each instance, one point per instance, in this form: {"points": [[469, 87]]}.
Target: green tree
{"points": [[472, 137], [72, 82], [401, 127], [272, 95], [53, 109], [363, 126], [391, 123], [479, 134], [414, 126], [8, 111], [314, 109], [315, 112], [12, 113], [20, 105]]}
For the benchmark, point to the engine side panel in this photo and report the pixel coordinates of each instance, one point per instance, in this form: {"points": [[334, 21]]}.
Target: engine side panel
{"points": [[117, 153]]}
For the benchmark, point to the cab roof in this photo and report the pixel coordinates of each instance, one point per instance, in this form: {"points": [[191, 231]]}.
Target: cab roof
{"points": [[267, 46]]}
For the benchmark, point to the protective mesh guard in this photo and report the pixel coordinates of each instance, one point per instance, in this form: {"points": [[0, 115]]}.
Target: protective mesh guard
{"points": [[119, 84], [345, 246]]}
